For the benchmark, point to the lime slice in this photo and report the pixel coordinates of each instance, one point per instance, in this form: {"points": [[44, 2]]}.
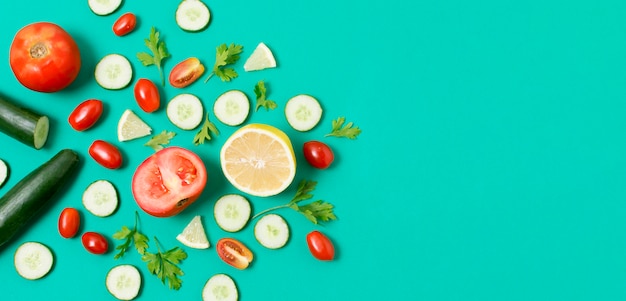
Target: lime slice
{"points": [[131, 127], [261, 58], [193, 235]]}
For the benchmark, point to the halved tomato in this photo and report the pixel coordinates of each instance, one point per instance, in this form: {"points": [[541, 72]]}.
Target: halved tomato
{"points": [[234, 253], [186, 72], [169, 181]]}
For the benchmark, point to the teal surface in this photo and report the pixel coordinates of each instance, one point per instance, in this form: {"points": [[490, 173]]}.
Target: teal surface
{"points": [[491, 165]]}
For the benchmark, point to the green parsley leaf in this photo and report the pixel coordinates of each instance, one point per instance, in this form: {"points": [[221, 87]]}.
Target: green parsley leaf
{"points": [[225, 55], [165, 265], [348, 131], [260, 91], [157, 142], [158, 50], [130, 236], [205, 132]]}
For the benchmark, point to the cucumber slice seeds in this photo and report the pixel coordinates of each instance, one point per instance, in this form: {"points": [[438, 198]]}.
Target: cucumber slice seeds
{"points": [[232, 212]]}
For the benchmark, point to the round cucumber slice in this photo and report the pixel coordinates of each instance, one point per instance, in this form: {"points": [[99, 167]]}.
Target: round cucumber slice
{"points": [[271, 231], [123, 282], [303, 112], [33, 260], [185, 111], [4, 172], [192, 15], [114, 72], [232, 212], [220, 287], [104, 7], [232, 107], [100, 198]]}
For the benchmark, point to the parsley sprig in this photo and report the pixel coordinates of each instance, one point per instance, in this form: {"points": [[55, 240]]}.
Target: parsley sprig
{"points": [[165, 264], [225, 55], [129, 236], [261, 101], [205, 132], [158, 141], [159, 52], [344, 131], [315, 212]]}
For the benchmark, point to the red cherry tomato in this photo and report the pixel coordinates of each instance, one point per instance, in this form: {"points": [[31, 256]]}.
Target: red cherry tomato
{"points": [[320, 246], [95, 243], [318, 154], [147, 95], [106, 154], [186, 72], [85, 114], [169, 181], [44, 57], [124, 24], [234, 253], [69, 222]]}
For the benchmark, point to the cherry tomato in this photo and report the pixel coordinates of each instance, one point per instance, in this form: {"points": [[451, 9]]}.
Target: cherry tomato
{"points": [[106, 154], [320, 246], [147, 95], [44, 57], [186, 72], [95, 243], [169, 181], [85, 114], [234, 253], [69, 222], [318, 154], [124, 24]]}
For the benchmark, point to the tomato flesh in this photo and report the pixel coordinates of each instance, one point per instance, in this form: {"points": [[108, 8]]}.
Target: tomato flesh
{"points": [[318, 154], [186, 72], [234, 253], [320, 246], [69, 222], [95, 242], [147, 95], [125, 24], [44, 57], [86, 114], [169, 181], [106, 154]]}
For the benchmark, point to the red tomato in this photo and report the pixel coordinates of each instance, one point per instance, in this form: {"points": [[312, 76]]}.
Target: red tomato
{"points": [[44, 57], [169, 181], [318, 154], [124, 24], [147, 95], [320, 246], [95, 243], [69, 222], [186, 72], [85, 114], [106, 154], [234, 253]]}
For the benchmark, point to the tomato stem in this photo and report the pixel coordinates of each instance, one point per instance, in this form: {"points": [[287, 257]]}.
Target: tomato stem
{"points": [[38, 50], [270, 209]]}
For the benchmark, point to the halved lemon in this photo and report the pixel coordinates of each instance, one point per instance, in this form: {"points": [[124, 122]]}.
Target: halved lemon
{"points": [[261, 58], [258, 159], [193, 235], [131, 127]]}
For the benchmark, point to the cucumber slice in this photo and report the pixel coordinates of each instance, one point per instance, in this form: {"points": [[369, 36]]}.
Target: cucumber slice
{"points": [[232, 212], [104, 7], [192, 15], [232, 107], [303, 112], [123, 282], [100, 198], [220, 287], [33, 260], [271, 231], [185, 111], [114, 72], [4, 172]]}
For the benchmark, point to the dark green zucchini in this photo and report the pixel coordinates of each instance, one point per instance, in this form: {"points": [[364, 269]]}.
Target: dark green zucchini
{"points": [[23, 124], [26, 199]]}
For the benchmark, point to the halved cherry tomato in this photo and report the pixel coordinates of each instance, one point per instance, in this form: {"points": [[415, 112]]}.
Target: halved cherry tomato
{"points": [[234, 253], [169, 181], [106, 154], [95, 242], [147, 95], [44, 57], [69, 222], [318, 154], [124, 24], [186, 72], [320, 246], [85, 114]]}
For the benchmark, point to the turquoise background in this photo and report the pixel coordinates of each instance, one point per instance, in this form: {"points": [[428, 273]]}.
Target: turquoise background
{"points": [[491, 164]]}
